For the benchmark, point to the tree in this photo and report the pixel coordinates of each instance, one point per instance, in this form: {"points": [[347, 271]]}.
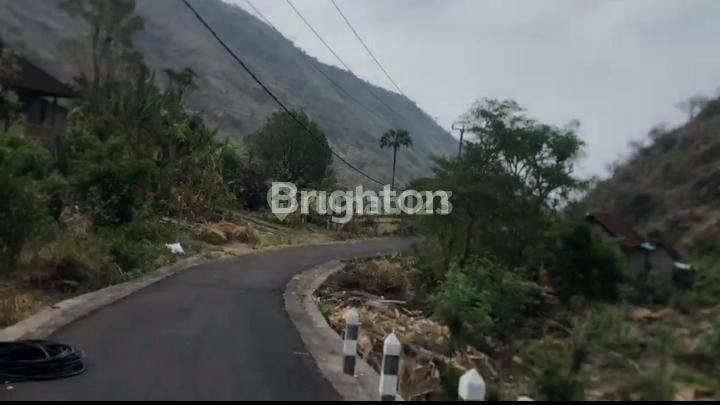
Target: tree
{"points": [[10, 106], [693, 105], [109, 49], [506, 185], [142, 147], [395, 139], [285, 151], [24, 166]]}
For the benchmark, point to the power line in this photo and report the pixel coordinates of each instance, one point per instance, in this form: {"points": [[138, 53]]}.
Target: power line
{"points": [[269, 92], [258, 12], [377, 62], [342, 62], [318, 69]]}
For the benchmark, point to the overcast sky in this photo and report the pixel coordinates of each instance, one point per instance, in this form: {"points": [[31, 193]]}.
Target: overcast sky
{"points": [[617, 66]]}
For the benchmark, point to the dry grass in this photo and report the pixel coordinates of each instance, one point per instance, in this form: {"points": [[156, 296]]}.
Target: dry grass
{"points": [[18, 302]]}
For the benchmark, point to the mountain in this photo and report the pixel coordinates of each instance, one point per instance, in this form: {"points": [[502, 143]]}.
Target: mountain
{"points": [[227, 97], [672, 185]]}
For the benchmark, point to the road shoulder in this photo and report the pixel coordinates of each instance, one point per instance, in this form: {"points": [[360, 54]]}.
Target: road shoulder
{"points": [[321, 341], [48, 320]]}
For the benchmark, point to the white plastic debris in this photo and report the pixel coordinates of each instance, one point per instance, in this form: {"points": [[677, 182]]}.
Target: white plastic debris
{"points": [[175, 248]]}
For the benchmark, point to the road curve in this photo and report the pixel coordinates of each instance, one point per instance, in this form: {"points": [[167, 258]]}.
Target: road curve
{"points": [[218, 331]]}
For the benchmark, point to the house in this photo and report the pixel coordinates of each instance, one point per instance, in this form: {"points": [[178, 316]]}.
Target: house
{"points": [[40, 94], [648, 257]]}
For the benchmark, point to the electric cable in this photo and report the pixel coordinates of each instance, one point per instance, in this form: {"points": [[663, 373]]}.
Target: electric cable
{"points": [[318, 69], [367, 48], [38, 360], [342, 62], [270, 93]]}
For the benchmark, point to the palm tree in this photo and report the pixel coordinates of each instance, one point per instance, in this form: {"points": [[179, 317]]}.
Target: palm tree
{"points": [[395, 139]]}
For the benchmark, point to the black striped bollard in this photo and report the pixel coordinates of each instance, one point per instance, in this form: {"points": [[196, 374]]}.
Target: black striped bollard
{"points": [[352, 331], [471, 386], [390, 368]]}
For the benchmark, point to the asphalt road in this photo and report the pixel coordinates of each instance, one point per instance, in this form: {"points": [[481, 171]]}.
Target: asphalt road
{"points": [[218, 331]]}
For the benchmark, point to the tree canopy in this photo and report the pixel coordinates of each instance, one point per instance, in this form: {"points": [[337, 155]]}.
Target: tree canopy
{"points": [[513, 174], [285, 151]]}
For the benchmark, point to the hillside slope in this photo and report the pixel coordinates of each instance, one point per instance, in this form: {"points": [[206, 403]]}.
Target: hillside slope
{"points": [[226, 95], [672, 185]]}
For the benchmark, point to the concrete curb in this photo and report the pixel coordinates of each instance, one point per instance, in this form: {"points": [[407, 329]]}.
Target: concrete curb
{"points": [[47, 321], [320, 339]]}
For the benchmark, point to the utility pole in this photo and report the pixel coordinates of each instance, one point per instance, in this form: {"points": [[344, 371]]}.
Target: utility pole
{"points": [[461, 126]]}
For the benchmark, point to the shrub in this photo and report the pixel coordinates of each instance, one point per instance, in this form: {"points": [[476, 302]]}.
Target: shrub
{"points": [[24, 165], [483, 298], [581, 263], [70, 262], [20, 157], [115, 188], [711, 340], [652, 386], [706, 285], [608, 329], [548, 363], [20, 217], [557, 386], [135, 247]]}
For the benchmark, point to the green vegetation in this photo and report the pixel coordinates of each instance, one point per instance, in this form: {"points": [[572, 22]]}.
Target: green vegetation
{"points": [[482, 299], [580, 262], [513, 274], [706, 285], [287, 152], [96, 210], [9, 101], [25, 172], [549, 365], [505, 187], [711, 340]]}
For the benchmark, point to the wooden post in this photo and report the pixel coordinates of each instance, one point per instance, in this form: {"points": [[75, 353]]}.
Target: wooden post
{"points": [[390, 368], [352, 331]]}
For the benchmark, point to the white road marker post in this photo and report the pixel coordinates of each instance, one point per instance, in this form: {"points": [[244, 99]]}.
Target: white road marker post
{"points": [[472, 386], [390, 368], [352, 332]]}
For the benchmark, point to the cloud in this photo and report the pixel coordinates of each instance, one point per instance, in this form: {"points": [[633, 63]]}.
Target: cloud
{"points": [[617, 66]]}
